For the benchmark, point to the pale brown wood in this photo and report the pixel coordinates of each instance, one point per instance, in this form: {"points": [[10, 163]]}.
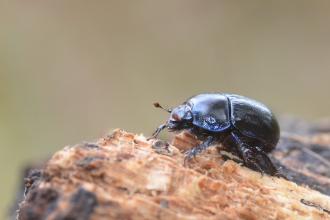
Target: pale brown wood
{"points": [[123, 176]]}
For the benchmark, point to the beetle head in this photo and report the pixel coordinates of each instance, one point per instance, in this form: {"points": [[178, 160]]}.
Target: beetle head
{"points": [[181, 118]]}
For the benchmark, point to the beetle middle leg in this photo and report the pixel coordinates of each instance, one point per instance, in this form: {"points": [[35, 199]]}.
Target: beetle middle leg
{"points": [[193, 151]]}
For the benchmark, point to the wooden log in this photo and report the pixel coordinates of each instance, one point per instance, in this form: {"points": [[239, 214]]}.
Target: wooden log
{"points": [[123, 176]]}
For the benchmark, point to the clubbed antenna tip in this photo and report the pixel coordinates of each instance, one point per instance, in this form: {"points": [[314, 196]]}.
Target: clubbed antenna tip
{"points": [[157, 105]]}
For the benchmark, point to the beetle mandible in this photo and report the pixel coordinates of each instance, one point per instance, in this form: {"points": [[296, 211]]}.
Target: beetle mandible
{"points": [[245, 127]]}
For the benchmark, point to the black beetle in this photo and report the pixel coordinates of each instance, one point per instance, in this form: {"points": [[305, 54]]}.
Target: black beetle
{"points": [[242, 125]]}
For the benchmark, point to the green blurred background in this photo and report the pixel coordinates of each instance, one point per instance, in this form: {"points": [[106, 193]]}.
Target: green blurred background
{"points": [[71, 71]]}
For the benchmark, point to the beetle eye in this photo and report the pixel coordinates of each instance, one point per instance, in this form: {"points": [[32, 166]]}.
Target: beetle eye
{"points": [[175, 117]]}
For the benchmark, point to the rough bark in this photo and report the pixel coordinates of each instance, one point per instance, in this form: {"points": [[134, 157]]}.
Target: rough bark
{"points": [[123, 176]]}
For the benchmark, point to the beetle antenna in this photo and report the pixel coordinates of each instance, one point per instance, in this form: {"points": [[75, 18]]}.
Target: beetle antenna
{"points": [[157, 105]]}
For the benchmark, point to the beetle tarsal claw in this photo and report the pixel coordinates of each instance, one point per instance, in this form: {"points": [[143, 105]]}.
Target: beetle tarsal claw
{"points": [[189, 153]]}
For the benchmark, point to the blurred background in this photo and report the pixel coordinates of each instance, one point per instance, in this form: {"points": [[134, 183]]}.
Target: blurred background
{"points": [[72, 71]]}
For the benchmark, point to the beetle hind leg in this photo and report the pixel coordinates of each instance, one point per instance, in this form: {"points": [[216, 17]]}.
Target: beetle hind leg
{"points": [[271, 167], [251, 155]]}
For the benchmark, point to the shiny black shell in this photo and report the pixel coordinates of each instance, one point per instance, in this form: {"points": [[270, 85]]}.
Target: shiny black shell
{"points": [[219, 111]]}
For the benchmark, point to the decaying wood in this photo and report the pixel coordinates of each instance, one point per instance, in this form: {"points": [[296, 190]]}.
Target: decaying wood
{"points": [[123, 176]]}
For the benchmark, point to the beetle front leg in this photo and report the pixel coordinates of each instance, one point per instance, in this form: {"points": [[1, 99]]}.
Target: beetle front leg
{"points": [[159, 129], [193, 151]]}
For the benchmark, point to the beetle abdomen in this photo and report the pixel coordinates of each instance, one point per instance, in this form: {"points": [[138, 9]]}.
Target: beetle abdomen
{"points": [[253, 119]]}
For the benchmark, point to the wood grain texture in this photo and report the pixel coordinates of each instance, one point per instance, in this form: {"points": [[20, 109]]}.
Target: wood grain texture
{"points": [[123, 176]]}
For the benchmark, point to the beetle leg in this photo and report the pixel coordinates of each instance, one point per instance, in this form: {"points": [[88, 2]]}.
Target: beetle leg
{"points": [[270, 165], [193, 151], [159, 129], [248, 153], [273, 170]]}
